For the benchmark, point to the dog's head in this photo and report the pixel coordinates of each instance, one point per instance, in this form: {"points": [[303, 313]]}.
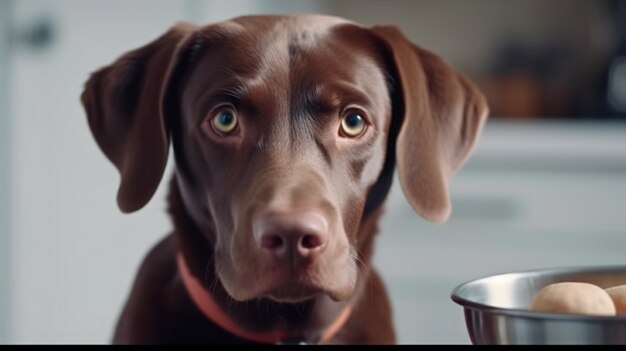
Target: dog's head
{"points": [[286, 131]]}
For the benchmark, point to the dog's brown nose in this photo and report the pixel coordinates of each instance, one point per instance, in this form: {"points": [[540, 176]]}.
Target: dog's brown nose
{"points": [[292, 235]]}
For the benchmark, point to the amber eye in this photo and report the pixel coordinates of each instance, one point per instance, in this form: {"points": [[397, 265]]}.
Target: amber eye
{"points": [[225, 121], [353, 124]]}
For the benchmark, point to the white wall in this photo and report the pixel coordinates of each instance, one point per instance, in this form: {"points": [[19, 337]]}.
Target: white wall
{"points": [[4, 176]]}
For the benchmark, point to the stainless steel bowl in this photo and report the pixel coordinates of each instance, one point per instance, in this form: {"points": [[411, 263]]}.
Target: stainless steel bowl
{"points": [[496, 309]]}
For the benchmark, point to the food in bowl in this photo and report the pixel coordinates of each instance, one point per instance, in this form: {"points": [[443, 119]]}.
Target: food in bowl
{"points": [[573, 297], [495, 308], [618, 294]]}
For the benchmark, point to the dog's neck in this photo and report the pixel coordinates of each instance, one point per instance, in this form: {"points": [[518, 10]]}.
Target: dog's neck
{"points": [[309, 320], [205, 302]]}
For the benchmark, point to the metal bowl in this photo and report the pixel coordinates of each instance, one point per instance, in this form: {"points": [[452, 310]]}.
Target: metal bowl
{"points": [[496, 309]]}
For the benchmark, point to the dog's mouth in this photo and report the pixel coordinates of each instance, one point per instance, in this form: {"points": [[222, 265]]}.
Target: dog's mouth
{"points": [[293, 293], [334, 276], [292, 286], [287, 287]]}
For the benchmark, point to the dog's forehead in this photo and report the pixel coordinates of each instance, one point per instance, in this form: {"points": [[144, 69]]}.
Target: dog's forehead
{"points": [[304, 25], [288, 72], [272, 56], [268, 49], [249, 43]]}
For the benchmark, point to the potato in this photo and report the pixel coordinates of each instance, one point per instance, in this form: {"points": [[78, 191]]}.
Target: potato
{"points": [[618, 294], [580, 298]]}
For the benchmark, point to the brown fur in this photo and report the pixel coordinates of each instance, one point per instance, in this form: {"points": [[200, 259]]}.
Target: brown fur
{"points": [[290, 79]]}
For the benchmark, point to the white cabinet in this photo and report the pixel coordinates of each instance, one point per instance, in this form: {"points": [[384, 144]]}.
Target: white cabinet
{"points": [[534, 195]]}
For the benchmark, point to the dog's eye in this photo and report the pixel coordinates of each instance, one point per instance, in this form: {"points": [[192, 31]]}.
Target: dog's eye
{"points": [[353, 125], [225, 121]]}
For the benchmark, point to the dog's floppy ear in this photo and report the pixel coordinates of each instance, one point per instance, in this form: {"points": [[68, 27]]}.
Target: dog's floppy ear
{"points": [[123, 102], [442, 116]]}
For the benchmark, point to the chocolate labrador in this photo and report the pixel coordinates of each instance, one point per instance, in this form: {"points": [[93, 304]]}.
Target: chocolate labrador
{"points": [[286, 131]]}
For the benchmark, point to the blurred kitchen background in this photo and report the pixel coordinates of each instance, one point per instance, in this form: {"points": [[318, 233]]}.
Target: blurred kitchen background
{"points": [[546, 186]]}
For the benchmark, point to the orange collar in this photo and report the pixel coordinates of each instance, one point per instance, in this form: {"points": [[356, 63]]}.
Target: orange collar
{"points": [[205, 302]]}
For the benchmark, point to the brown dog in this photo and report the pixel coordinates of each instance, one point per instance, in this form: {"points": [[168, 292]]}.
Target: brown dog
{"points": [[286, 131]]}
